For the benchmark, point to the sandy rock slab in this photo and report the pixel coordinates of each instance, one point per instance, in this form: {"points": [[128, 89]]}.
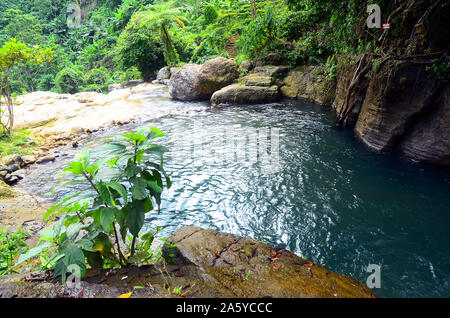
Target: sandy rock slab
{"points": [[204, 263]]}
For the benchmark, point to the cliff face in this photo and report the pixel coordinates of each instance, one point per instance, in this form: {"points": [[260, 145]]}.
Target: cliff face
{"points": [[397, 96], [402, 108], [396, 103]]}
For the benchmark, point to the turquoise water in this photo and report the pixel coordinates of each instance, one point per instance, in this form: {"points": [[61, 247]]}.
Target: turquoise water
{"points": [[326, 197]]}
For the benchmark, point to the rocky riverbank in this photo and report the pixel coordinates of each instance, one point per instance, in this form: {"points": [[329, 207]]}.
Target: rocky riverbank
{"points": [[394, 106], [205, 263]]}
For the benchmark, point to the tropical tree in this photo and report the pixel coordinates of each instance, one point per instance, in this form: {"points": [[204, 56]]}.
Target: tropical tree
{"points": [[14, 53], [161, 17]]}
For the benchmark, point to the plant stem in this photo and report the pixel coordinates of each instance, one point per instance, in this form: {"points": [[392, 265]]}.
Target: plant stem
{"points": [[133, 243], [121, 257]]}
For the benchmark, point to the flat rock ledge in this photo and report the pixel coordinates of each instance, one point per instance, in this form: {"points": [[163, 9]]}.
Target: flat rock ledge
{"points": [[204, 263]]}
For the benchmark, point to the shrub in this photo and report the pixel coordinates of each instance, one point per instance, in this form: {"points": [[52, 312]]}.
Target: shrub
{"points": [[139, 46], [259, 36], [124, 185], [11, 245], [130, 74], [46, 82], [69, 80], [97, 80], [210, 14]]}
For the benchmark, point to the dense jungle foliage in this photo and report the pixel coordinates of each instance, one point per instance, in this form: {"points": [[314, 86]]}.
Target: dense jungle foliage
{"points": [[99, 42]]}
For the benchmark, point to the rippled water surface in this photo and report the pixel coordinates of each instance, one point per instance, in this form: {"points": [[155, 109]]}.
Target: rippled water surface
{"points": [[324, 196]]}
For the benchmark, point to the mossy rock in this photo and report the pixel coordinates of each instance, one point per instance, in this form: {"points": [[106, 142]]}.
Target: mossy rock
{"points": [[6, 192]]}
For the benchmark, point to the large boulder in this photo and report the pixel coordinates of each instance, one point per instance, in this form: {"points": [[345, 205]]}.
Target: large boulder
{"points": [[429, 139], [241, 94], [204, 263], [399, 93], [308, 82], [214, 75], [181, 84], [277, 71], [163, 74], [232, 266], [257, 79]]}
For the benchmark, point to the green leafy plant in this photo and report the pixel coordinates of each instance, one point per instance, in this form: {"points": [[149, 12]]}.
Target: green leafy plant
{"points": [[11, 245], [13, 53], [103, 223], [69, 80]]}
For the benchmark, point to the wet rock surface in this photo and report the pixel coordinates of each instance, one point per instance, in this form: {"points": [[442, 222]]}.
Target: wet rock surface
{"points": [[205, 263], [308, 82], [397, 96], [214, 75], [429, 139], [242, 94], [181, 84]]}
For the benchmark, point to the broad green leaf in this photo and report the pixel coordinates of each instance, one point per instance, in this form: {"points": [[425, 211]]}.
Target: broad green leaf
{"points": [[73, 230], [94, 259], [75, 168], [33, 253], [74, 256], [85, 245], [135, 217], [119, 188], [139, 190], [154, 186], [106, 218], [105, 194]]}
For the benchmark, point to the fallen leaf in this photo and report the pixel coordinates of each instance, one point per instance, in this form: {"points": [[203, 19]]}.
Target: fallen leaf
{"points": [[127, 295], [308, 263], [275, 267], [217, 254]]}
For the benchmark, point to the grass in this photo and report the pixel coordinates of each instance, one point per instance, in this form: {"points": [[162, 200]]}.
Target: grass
{"points": [[21, 143]]}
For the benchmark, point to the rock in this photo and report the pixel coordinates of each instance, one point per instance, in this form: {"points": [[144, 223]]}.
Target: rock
{"points": [[214, 75], [257, 79], [17, 206], [345, 71], [181, 85], [272, 70], [28, 160], [113, 87], [6, 192], [240, 94], [46, 159], [19, 173], [205, 263], [247, 65], [308, 82], [398, 94], [11, 179], [10, 160], [131, 83], [3, 174], [228, 265], [163, 74], [429, 139], [33, 226]]}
